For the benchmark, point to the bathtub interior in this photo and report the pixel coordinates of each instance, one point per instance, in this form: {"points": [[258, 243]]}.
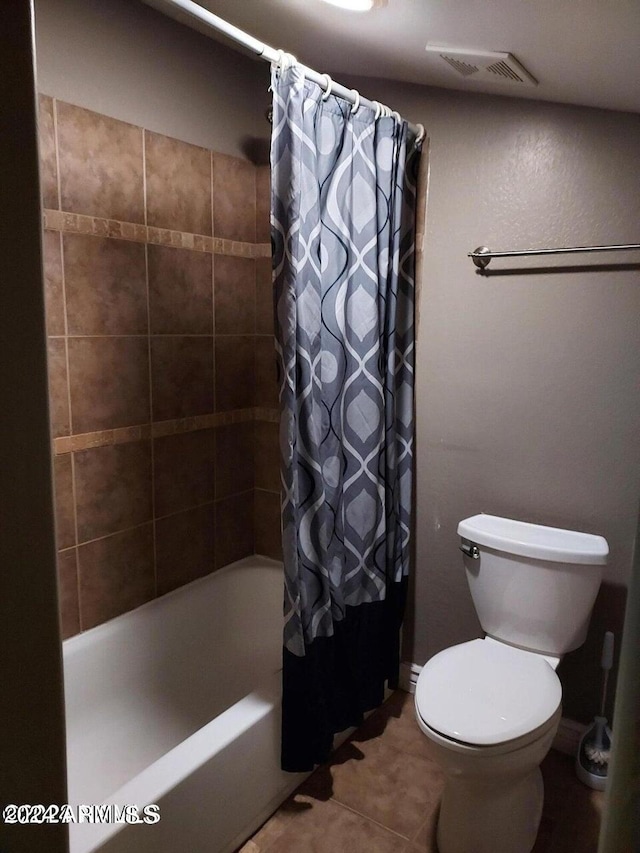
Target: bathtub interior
{"points": [[143, 683]]}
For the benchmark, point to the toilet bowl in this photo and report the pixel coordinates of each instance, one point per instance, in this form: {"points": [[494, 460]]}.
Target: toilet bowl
{"points": [[491, 707], [490, 712]]}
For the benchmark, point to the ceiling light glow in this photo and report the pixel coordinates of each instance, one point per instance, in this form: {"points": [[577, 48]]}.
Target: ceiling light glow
{"points": [[356, 5]]}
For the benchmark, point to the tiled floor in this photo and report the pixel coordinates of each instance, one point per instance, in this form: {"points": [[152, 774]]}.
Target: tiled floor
{"points": [[380, 793]]}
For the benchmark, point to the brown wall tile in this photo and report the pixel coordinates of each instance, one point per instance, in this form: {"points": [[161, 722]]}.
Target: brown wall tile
{"points": [[68, 593], [113, 488], [266, 393], [58, 387], [267, 459], [116, 575], [182, 376], [53, 290], [235, 282], [109, 380], [47, 144], [180, 291], [183, 471], [234, 529], [105, 286], [234, 199], [234, 372], [101, 165], [268, 537], [178, 184], [264, 297], [263, 204], [185, 547], [234, 459], [65, 515]]}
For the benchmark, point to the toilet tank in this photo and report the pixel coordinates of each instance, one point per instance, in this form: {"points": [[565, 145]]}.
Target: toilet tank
{"points": [[532, 586]]}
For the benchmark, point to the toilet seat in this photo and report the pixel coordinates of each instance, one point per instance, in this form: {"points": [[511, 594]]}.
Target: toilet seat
{"points": [[485, 694]]}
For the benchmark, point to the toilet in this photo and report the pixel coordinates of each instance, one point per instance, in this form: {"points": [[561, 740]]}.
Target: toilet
{"points": [[491, 707]]}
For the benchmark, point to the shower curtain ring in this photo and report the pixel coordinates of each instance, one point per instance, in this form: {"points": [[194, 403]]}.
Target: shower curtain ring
{"points": [[421, 134], [356, 101], [328, 87], [378, 109], [397, 116], [284, 61]]}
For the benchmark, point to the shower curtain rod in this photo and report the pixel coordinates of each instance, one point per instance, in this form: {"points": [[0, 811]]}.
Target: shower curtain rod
{"points": [[481, 256], [193, 10]]}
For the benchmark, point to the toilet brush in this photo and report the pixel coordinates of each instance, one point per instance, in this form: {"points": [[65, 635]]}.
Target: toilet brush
{"points": [[592, 760]]}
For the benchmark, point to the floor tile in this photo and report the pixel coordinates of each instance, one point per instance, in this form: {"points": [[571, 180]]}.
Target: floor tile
{"points": [[327, 827], [396, 789], [381, 790], [396, 722], [425, 838]]}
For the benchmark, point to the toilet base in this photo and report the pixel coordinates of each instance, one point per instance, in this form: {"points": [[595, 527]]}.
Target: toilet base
{"points": [[491, 818]]}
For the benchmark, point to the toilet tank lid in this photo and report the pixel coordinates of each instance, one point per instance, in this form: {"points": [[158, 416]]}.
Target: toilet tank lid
{"points": [[535, 540]]}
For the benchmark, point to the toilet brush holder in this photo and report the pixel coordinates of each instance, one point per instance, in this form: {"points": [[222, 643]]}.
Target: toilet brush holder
{"points": [[592, 759]]}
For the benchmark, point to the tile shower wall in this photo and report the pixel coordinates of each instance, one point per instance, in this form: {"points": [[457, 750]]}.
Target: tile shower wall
{"points": [[161, 361]]}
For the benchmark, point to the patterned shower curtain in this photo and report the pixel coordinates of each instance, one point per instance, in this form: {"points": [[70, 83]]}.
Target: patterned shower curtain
{"points": [[343, 229]]}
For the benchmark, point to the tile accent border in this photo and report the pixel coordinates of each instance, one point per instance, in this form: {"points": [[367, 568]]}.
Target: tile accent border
{"points": [[78, 223], [125, 435]]}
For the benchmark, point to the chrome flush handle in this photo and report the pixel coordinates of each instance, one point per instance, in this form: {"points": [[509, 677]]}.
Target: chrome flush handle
{"points": [[470, 550]]}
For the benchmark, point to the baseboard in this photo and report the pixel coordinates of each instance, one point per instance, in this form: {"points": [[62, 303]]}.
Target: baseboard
{"points": [[409, 673], [569, 731]]}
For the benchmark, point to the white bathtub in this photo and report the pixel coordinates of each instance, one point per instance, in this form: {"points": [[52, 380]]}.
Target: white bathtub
{"points": [[178, 703]]}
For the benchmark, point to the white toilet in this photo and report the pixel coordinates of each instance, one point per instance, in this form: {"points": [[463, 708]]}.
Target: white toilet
{"points": [[491, 707]]}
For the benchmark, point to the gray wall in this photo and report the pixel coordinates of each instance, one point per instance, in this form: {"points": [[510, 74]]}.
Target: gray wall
{"points": [[127, 61], [527, 383]]}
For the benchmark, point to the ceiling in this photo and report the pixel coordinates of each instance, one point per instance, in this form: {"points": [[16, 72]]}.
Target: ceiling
{"points": [[580, 51]]}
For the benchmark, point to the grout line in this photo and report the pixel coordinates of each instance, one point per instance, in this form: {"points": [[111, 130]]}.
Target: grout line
{"points": [[108, 336], [144, 176], [405, 838], [168, 335], [151, 439], [55, 142], [190, 508], [244, 493], [211, 167], [214, 359], [74, 499], [115, 533], [76, 536], [150, 368], [171, 335]]}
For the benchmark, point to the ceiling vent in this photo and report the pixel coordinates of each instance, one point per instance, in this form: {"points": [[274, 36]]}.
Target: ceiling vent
{"points": [[482, 65]]}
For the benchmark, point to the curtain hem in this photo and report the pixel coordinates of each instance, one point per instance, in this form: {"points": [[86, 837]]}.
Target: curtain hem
{"points": [[339, 679]]}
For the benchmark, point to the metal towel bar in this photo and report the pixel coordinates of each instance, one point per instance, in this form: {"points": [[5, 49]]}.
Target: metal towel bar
{"points": [[482, 255]]}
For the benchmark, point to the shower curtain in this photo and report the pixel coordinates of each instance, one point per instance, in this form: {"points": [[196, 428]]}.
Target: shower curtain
{"points": [[343, 230]]}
